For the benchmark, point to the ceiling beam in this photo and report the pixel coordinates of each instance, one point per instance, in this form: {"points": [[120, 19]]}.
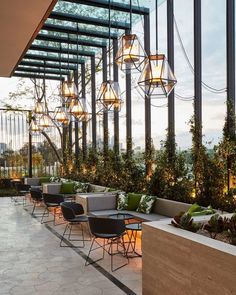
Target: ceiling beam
{"points": [[82, 32], [88, 20], [47, 65], [41, 70], [114, 6], [39, 57], [32, 76], [59, 39], [61, 50]]}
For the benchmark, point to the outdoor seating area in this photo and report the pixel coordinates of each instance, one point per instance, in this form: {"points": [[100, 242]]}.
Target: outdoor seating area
{"points": [[117, 147]]}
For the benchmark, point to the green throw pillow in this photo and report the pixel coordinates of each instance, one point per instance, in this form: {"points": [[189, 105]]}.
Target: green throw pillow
{"points": [[146, 203], [45, 179], [194, 208], [122, 201], [133, 201], [67, 188]]}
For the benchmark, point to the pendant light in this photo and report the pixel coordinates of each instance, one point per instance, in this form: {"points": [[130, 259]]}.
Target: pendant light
{"points": [[109, 93], [157, 79], [44, 121], [34, 128], [61, 116], [77, 108], [130, 54], [68, 87], [39, 107]]}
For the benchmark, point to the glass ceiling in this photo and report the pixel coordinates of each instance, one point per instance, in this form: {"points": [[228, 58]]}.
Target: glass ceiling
{"points": [[82, 10]]}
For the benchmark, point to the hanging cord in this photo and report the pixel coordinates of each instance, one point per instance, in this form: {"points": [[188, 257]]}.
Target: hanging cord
{"points": [[156, 27], [205, 85], [68, 55], [109, 17], [130, 16]]}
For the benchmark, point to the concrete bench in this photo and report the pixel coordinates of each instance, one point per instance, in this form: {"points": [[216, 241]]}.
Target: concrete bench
{"points": [[105, 204]]}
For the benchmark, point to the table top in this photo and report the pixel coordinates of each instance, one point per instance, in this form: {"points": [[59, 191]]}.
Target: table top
{"points": [[123, 216], [134, 226]]}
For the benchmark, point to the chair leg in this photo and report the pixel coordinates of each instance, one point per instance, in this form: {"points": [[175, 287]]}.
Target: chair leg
{"points": [[64, 233], [87, 262], [46, 209], [32, 213]]}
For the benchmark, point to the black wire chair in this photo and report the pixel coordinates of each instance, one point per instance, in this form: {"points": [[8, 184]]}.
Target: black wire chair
{"points": [[112, 232], [73, 214], [37, 199], [22, 191], [51, 202]]}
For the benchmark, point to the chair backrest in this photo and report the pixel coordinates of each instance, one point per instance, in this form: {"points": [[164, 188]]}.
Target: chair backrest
{"points": [[56, 199], [67, 212], [101, 225], [21, 187], [36, 195], [76, 207]]}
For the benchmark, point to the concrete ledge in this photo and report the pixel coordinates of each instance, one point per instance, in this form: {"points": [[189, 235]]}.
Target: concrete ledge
{"points": [[179, 262]]}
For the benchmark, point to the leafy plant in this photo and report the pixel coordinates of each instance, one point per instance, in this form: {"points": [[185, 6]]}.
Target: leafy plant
{"points": [[231, 226], [216, 225], [185, 221]]}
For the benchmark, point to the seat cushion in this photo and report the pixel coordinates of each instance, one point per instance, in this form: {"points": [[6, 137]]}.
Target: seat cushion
{"points": [[138, 215], [67, 187]]}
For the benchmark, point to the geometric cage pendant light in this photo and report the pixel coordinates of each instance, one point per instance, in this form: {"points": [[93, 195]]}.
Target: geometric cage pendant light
{"points": [[157, 79], [109, 94], [130, 54]]}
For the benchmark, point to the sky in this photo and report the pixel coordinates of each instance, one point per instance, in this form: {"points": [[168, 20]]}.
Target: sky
{"points": [[214, 75]]}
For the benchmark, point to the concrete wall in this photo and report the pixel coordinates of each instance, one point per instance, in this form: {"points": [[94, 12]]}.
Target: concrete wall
{"points": [[177, 262]]}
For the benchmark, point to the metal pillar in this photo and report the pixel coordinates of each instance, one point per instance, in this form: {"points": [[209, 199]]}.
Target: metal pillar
{"points": [[128, 111], [230, 47], [105, 113], [93, 94], [84, 123], [30, 174], [171, 98], [76, 78], [69, 147], [148, 141], [198, 68], [116, 112]]}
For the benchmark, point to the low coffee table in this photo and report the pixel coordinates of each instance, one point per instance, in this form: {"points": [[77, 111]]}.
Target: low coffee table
{"points": [[134, 228], [122, 216]]}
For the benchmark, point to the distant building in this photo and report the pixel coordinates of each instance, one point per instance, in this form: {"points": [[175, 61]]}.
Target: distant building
{"points": [[3, 147]]}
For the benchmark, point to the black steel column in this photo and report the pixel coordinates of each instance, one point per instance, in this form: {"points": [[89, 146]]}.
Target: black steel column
{"points": [[30, 149], [230, 47], [93, 94], [116, 112], [198, 68], [76, 78], [128, 111], [171, 98], [69, 147], [105, 113], [84, 123], [148, 140]]}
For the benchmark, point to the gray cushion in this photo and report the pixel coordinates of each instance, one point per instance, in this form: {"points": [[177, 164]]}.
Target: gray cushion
{"points": [[146, 217]]}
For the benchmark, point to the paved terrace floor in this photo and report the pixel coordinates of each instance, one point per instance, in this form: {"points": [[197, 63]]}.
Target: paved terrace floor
{"points": [[32, 262]]}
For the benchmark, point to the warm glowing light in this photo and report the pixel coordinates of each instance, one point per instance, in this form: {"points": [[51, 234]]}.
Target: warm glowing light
{"points": [[44, 121], [131, 54], [68, 89], [39, 107], [77, 110], [156, 74], [34, 127], [61, 116]]}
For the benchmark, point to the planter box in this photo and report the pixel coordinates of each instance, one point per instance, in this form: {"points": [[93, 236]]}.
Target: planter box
{"points": [[179, 262]]}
